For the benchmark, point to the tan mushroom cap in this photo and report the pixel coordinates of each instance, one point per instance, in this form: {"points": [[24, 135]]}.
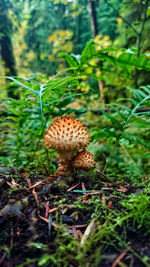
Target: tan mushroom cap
{"points": [[66, 133], [84, 160]]}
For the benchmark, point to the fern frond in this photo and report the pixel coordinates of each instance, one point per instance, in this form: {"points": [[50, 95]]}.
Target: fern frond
{"points": [[116, 122], [117, 111], [16, 81], [142, 99]]}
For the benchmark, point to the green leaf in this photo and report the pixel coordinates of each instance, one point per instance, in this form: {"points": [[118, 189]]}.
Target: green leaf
{"points": [[117, 111], [38, 245], [116, 122], [65, 101], [126, 59], [22, 85], [88, 52], [146, 89], [44, 259], [70, 60], [9, 124]]}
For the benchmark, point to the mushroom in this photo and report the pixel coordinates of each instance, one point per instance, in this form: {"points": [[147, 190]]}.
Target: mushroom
{"points": [[66, 135], [83, 160]]}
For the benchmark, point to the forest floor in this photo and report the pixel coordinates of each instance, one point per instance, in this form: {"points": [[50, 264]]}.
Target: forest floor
{"points": [[83, 223]]}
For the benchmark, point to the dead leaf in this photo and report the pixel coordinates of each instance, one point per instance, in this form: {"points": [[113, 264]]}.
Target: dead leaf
{"points": [[103, 201], [122, 188], [89, 230], [80, 234], [75, 233], [64, 210], [109, 204]]}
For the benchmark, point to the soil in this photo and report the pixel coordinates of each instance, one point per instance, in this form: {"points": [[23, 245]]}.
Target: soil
{"points": [[24, 219]]}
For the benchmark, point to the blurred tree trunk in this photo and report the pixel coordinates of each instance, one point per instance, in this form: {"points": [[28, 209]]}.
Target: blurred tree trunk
{"points": [[94, 26], [8, 57], [92, 11], [6, 49], [142, 18]]}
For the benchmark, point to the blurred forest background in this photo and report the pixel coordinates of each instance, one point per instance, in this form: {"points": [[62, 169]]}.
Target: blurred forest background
{"points": [[34, 33], [47, 43]]}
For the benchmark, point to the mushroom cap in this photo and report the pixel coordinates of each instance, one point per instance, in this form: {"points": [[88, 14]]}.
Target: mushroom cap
{"points": [[84, 160], [66, 133]]}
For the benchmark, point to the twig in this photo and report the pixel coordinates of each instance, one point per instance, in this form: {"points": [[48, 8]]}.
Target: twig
{"points": [[46, 171], [47, 221], [120, 257], [35, 196], [3, 257], [11, 235], [73, 187], [52, 210], [33, 190], [46, 209], [28, 181], [50, 178], [104, 176]]}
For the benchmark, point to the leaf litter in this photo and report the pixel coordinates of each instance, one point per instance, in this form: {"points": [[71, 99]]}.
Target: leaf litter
{"points": [[32, 214]]}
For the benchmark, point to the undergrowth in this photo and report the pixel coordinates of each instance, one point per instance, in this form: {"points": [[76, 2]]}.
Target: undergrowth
{"points": [[113, 229]]}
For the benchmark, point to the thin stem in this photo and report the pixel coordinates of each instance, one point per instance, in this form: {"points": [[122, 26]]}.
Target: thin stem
{"points": [[41, 106], [122, 17], [142, 28], [41, 116]]}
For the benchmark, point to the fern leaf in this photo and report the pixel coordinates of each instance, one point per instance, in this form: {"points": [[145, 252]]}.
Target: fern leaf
{"points": [[118, 111], [146, 89], [116, 122], [23, 85], [139, 95]]}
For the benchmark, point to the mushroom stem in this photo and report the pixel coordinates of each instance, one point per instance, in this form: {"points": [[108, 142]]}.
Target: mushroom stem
{"points": [[65, 162]]}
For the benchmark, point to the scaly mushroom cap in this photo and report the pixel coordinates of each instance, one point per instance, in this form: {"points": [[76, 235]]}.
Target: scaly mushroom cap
{"points": [[66, 133], [84, 160]]}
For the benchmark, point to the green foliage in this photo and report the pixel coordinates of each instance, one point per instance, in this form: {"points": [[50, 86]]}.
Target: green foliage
{"points": [[126, 59], [128, 120], [119, 127], [138, 209], [125, 127], [107, 18], [28, 117], [128, 130]]}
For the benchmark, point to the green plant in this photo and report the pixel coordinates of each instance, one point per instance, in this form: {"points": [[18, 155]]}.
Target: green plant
{"points": [[125, 126], [26, 118], [138, 209]]}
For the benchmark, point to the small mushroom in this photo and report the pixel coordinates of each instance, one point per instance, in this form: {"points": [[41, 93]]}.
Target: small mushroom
{"points": [[83, 160], [66, 135]]}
